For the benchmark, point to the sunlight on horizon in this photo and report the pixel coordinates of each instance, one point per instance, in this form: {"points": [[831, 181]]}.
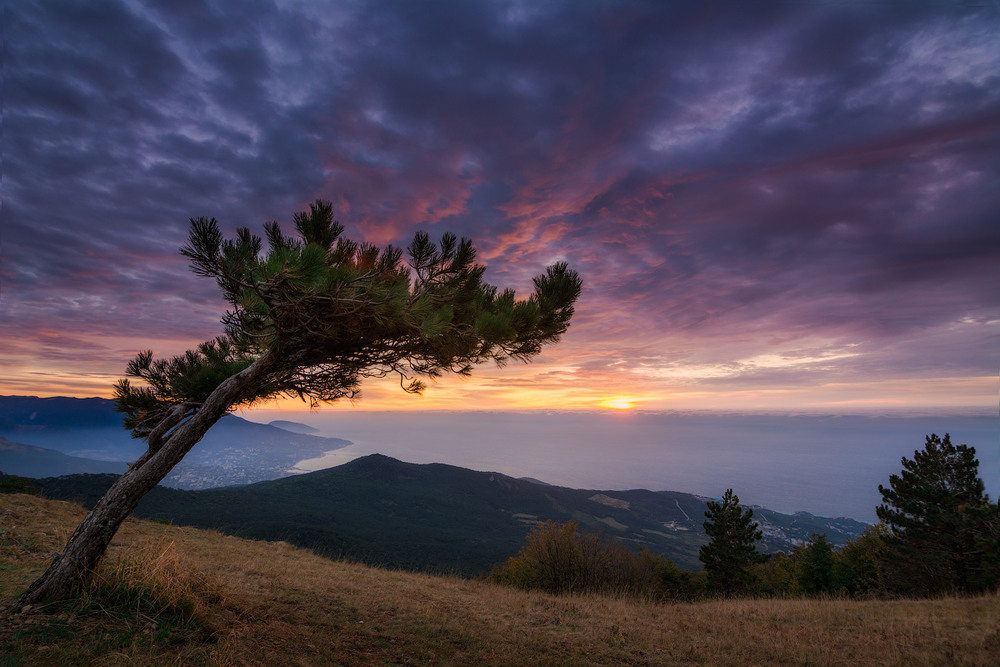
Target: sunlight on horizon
{"points": [[619, 403], [533, 388]]}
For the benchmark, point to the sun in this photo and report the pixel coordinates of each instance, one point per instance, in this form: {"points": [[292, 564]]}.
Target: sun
{"points": [[618, 403]]}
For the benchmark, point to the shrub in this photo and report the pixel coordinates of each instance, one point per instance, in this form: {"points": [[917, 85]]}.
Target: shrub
{"points": [[775, 576], [815, 566], [15, 484], [856, 564], [557, 558]]}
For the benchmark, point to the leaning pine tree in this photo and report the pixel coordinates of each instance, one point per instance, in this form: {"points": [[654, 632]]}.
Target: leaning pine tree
{"points": [[310, 317]]}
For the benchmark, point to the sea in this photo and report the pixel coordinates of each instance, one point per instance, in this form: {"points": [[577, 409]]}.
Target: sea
{"points": [[827, 465]]}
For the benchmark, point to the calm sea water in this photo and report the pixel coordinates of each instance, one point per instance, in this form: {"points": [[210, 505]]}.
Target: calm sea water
{"points": [[826, 465]]}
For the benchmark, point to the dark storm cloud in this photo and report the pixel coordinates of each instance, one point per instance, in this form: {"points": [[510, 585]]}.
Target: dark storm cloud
{"points": [[714, 170]]}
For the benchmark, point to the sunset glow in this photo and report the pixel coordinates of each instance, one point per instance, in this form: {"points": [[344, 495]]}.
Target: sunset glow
{"points": [[773, 206]]}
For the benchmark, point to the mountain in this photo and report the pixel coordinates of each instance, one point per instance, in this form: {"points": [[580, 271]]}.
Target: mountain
{"points": [[235, 451], [440, 518], [28, 461], [31, 412], [294, 427], [81, 427]]}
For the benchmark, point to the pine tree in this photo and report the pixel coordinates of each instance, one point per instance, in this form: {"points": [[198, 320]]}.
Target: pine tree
{"points": [[311, 318], [939, 521], [731, 549]]}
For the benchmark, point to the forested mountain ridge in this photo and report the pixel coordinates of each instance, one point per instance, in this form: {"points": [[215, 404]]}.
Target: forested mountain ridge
{"points": [[436, 517]]}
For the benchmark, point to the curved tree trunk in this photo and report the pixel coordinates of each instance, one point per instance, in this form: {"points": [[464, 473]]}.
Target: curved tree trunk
{"points": [[91, 538]]}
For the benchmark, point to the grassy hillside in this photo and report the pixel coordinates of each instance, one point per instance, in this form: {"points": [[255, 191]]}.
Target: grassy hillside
{"points": [[173, 595]]}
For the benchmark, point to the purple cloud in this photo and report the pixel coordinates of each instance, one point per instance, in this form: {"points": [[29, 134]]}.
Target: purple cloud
{"points": [[761, 181]]}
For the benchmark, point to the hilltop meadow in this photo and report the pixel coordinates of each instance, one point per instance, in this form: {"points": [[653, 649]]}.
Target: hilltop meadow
{"points": [[177, 595]]}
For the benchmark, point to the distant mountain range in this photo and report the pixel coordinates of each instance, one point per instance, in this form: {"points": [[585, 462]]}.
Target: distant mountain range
{"points": [[28, 461], [440, 518], [88, 433], [294, 427]]}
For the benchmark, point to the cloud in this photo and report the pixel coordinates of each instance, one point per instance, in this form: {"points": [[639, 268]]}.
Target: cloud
{"points": [[735, 185]]}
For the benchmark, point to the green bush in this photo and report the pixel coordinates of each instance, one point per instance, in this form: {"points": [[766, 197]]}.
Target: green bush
{"points": [[15, 484], [856, 564], [775, 577], [816, 568], [814, 571]]}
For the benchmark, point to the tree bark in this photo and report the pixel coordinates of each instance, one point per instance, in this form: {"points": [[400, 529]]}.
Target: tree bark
{"points": [[90, 540]]}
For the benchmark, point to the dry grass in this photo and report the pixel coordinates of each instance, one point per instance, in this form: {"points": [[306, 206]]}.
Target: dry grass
{"points": [[227, 601]]}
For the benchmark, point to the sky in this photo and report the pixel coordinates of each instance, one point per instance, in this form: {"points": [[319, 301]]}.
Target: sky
{"points": [[773, 205]]}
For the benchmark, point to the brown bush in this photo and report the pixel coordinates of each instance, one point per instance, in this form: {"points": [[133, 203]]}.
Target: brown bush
{"points": [[558, 558]]}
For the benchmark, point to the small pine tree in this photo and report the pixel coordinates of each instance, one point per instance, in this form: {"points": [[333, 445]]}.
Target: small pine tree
{"points": [[937, 517], [731, 550]]}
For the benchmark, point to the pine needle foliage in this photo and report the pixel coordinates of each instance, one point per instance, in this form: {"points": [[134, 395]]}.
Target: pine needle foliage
{"points": [[731, 551], [941, 527], [335, 311]]}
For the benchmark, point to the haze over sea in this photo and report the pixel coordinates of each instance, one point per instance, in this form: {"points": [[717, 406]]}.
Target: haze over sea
{"points": [[829, 465]]}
